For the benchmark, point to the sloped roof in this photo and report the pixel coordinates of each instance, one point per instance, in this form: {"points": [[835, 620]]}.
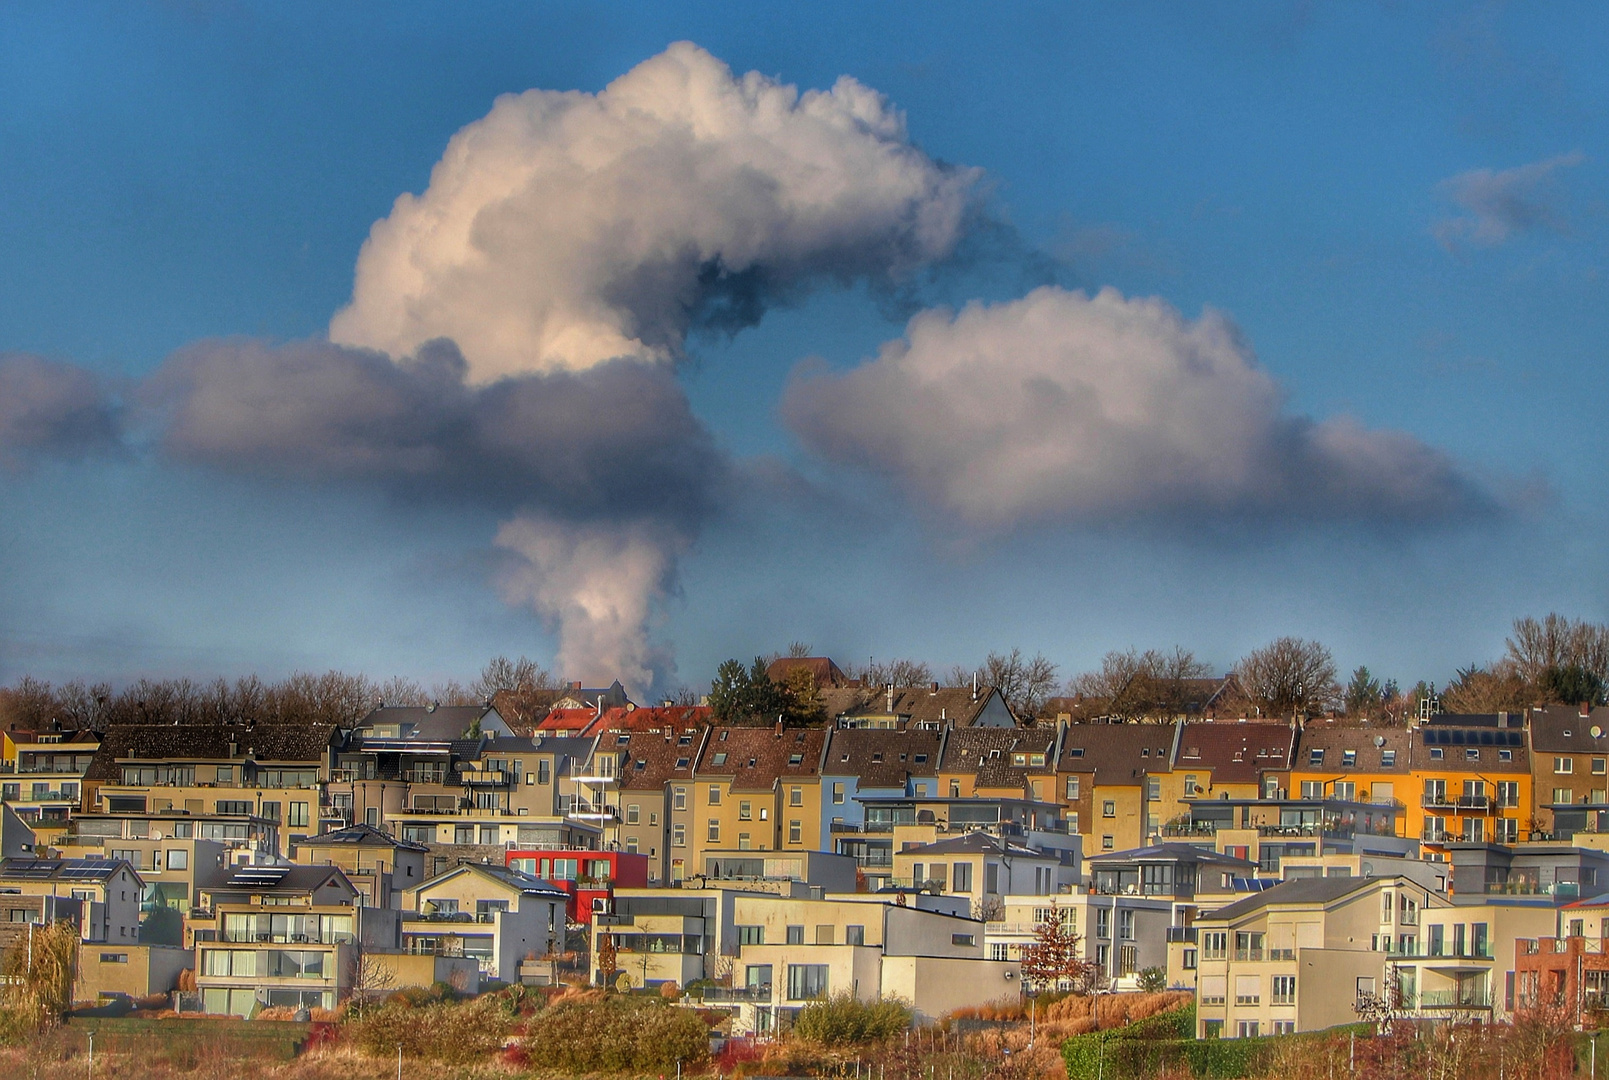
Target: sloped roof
{"points": [[1561, 729], [1118, 754], [977, 842], [1367, 744], [652, 758], [298, 743], [883, 757], [425, 723], [1172, 852], [756, 758], [987, 754], [945, 706], [362, 834], [821, 668], [505, 875], [1236, 753], [1319, 890], [589, 722]]}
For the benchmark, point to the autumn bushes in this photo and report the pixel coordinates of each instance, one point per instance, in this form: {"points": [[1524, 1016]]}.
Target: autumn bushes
{"points": [[843, 1020], [591, 1032]]}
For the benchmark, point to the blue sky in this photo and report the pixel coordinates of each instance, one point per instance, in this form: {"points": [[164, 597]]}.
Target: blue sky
{"points": [[1346, 185]]}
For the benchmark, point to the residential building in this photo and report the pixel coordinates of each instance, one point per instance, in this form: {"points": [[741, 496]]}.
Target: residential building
{"points": [[887, 763], [785, 873], [1301, 955], [41, 773], [669, 935], [1461, 963], [129, 971], [1218, 761], [792, 951], [173, 870], [932, 707], [108, 889], [821, 669], [1119, 935], [655, 796], [588, 879], [1569, 770], [1013, 763], [757, 789], [496, 915], [380, 866], [1103, 775], [268, 771], [1473, 778], [984, 870], [1561, 871]]}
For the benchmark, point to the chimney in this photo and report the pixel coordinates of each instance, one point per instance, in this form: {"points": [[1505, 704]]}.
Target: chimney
{"points": [[974, 686], [935, 687], [779, 727], [890, 706], [1586, 709], [575, 686]]}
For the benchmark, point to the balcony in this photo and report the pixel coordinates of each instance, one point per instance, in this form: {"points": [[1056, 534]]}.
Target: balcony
{"points": [[487, 778], [1182, 933], [1455, 999], [1529, 887], [1248, 955], [735, 994], [1204, 829]]}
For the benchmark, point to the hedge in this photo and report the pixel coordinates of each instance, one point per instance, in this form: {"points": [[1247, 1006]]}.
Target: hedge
{"points": [[1167, 1041]]}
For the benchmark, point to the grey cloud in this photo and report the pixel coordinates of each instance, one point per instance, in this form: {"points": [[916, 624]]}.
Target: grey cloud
{"points": [[615, 441], [1065, 407], [50, 409], [1498, 204]]}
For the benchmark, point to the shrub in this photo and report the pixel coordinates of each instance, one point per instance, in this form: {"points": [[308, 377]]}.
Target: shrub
{"points": [[441, 1031], [843, 1019], [585, 1033], [1154, 980]]}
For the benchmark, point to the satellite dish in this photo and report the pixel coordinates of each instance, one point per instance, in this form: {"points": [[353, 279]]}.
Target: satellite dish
{"points": [[1379, 740], [1597, 732]]}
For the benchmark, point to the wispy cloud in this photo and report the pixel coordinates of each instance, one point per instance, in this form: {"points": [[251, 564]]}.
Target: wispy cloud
{"points": [[51, 409], [1500, 204]]}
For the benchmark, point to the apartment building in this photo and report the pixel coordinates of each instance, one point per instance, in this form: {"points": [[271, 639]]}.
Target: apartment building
{"points": [[657, 764], [669, 935], [266, 771], [1569, 771], [1561, 871], [493, 914], [1473, 778], [1119, 935], [792, 951], [1301, 955], [1126, 890], [380, 866], [1104, 774], [587, 879], [173, 871], [931, 707], [885, 763], [1013, 763], [984, 869], [1461, 964], [1225, 761], [42, 772], [109, 891], [756, 789]]}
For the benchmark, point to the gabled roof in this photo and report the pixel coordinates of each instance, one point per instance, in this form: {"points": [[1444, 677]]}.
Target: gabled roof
{"points": [[943, 706], [756, 758], [1561, 729], [1368, 745], [1236, 753], [426, 723], [1118, 754], [589, 722], [63, 870], [503, 875], [293, 879], [987, 754], [362, 834], [1317, 890], [295, 743], [883, 757], [653, 758]]}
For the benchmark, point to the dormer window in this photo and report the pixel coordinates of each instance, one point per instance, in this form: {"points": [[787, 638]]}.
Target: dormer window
{"points": [[1077, 751], [1315, 757], [724, 734], [1145, 751], [844, 758], [681, 763], [921, 759], [877, 755], [1349, 758], [718, 759], [1472, 753], [795, 759], [1388, 759]]}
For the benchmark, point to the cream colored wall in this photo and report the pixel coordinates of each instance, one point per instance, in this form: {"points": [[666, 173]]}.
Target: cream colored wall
{"points": [[937, 986], [776, 915]]}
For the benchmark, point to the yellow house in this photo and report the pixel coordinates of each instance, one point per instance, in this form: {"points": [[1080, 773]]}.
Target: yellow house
{"points": [[755, 789], [1015, 763], [1105, 775], [1471, 780]]}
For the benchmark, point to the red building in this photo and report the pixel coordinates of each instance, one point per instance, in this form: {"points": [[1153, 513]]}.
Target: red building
{"points": [[589, 878]]}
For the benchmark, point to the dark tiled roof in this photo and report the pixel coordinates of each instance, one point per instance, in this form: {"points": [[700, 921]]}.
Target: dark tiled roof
{"points": [[426, 723], [294, 879], [1470, 747], [825, 672], [975, 843], [1367, 744], [1236, 753], [60, 869], [882, 757], [1561, 729], [945, 706], [987, 752], [1172, 852], [756, 758], [362, 835], [282, 742], [1118, 754], [654, 758]]}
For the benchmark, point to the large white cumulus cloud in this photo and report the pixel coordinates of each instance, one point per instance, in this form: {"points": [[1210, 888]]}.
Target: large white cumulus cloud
{"points": [[1066, 406], [565, 228]]}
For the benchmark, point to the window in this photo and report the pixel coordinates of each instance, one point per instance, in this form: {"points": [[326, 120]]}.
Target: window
{"points": [[1247, 1029], [1248, 989], [271, 810], [178, 859], [678, 798], [1189, 960], [631, 845], [967, 940], [1213, 990], [719, 759], [1365, 988], [963, 877], [1215, 945], [999, 950], [1315, 756], [544, 770], [714, 835], [1109, 808], [824, 934], [1125, 924], [1436, 753], [854, 935], [678, 835], [1072, 822], [1072, 789], [837, 794], [1506, 830], [1106, 842], [796, 796], [1563, 765], [114, 957], [796, 935], [1190, 787], [1349, 758], [1312, 789], [1505, 755], [1103, 922], [234, 806], [715, 795], [1508, 793], [745, 811], [795, 832], [1284, 1027], [1472, 753], [298, 817], [1153, 788], [1600, 766], [806, 981], [226, 774], [1388, 759], [1284, 990], [1563, 795]]}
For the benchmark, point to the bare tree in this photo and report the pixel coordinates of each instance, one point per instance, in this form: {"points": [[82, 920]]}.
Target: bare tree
{"points": [[369, 978], [1560, 659], [798, 650], [1290, 676], [1498, 688], [1153, 685], [1025, 682], [897, 673], [401, 690]]}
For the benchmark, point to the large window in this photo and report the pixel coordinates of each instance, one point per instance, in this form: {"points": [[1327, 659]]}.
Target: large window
{"points": [[806, 981], [751, 935], [1284, 989]]}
